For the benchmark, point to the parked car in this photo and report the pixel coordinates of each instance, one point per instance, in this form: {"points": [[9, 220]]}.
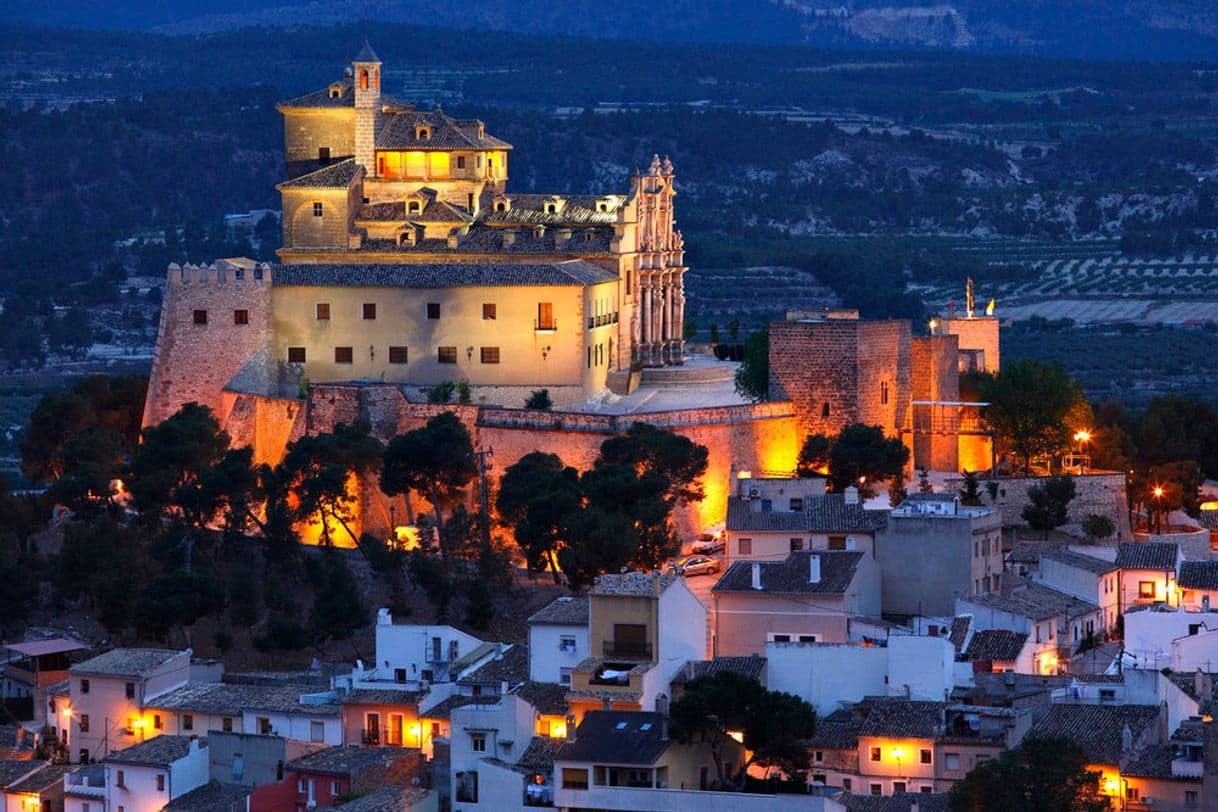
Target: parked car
{"points": [[694, 565], [707, 544]]}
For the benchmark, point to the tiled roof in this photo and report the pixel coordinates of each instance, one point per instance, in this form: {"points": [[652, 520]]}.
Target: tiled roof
{"points": [[385, 799], [511, 665], [366, 54], [540, 753], [1153, 762], [901, 802], [443, 133], [1080, 561], [577, 209], [213, 796], [335, 176], [124, 662], [10, 771], [1198, 575], [1208, 519], [960, 629], [1029, 552], [1186, 681], [44, 778], [752, 666], [1095, 728], [345, 97], [594, 695], [382, 696], [1035, 602], [61, 688], [565, 611], [631, 583], [835, 735], [393, 212], [995, 644], [837, 569], [826, 513], [902, 717], [1147, 555], [547, 698], [226, 699], [345, 760], [443, 275], [933, 496], [617, 737], [160, 751]]}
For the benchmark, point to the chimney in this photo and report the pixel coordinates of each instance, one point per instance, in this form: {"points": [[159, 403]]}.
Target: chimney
{"points": [[1126, 739], [756, 576], [509, 237], [851, 495], [657, 585], [814, 569], [570, 727], [664, 728], [1205, 603], [1203, 684]]}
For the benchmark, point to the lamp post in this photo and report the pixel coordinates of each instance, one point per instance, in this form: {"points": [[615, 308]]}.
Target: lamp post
{"points": [[1158, 517], [1082, 437]]}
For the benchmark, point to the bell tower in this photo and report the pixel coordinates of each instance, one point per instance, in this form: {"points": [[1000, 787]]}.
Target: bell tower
{"points": [[367, 107]]}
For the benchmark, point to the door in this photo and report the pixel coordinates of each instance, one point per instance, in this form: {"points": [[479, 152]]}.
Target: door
{"points": [[372, 728], [545, 315], [395, 728]]}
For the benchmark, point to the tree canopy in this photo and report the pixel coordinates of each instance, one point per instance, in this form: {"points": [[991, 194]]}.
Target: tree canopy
{"points": [[753, 375], [1030, 403], [435, 461], [1044, 774], [1049, 502]]}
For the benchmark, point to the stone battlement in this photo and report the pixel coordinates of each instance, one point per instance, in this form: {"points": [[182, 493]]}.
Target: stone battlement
{"points": [[220, 272]]}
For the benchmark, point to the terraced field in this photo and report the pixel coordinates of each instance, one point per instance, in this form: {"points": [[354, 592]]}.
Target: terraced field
{"points": [[755, 296]]}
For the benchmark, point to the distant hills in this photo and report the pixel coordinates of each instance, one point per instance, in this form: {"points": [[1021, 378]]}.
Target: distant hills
{"points": [[1106, 29]]}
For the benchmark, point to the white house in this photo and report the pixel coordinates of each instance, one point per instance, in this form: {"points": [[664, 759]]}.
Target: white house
{"points": [[1087, 575], [498, 762], [147, 776], [415, 656], [1165, 637], [1198, 582], [197, 708], [771, 518], [558, 639], [108, 693], [1148, 573]]}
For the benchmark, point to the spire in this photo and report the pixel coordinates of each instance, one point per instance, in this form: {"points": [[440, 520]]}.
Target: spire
{"points": [[654, 169], [366, 54]]}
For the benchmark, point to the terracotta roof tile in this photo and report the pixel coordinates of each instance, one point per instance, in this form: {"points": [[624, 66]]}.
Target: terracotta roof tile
{"points": [[442, 275], [564, 611], [826, 513], [995, 644], [1097, 729], [1147, 555], [837, 570]]}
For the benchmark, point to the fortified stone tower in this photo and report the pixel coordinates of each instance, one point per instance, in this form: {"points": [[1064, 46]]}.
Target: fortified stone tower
{"points": [[367, 107]]}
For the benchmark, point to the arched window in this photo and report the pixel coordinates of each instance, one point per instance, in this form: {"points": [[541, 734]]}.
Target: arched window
{"points": [[551, 209], [824, 410], [500, 206], [363, 79], [414, 207]]}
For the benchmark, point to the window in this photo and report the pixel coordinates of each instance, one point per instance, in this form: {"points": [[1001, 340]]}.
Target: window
{"points": [[884, 393], [300, 785], [877, 789], [157, 724], [467, 786], [926, 788], [343, 355], [1190, 797], [824, 409], [241, 317], [819, 756], [447, 355], [323, 154], [84, 686], [847, 784], [200, 317], [433, 310], [797, 545], [564, 676], [460, 161], [397, 355], [413, 207], [780, 638], [317, 210], [160, 782], [488, 311], [545, 316], [837, 542], [130, 689], [296, 355], [952, 761], [744, 546], [1131, 793], [574, 779], [807, 638], [130, 727], [264, 725], [239, 767], [567, 643], [876, 754], [226, 724], [925, 756], [317, 731], [399, 675], [335, 789], [188, 722], [1146, 589], [323, 311], [369, 311], [84, 723], [797, 505], [478, 742], [120, 778], [898, 786], [490, 355]]}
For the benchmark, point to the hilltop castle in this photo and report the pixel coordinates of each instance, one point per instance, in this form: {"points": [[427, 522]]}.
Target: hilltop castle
{"points": [[407, 262]]}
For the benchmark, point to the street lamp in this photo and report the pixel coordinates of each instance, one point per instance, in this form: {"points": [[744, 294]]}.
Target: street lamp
{"points": [[1158, 494]]}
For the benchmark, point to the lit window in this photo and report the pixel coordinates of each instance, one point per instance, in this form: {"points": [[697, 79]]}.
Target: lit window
{"points": [[317, 210], [876, 754], [1146, 589], [489, 311]]}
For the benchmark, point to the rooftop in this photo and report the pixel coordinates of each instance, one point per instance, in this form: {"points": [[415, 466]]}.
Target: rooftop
{"points": [[903, 717], [835, 734], [995, 644], [1198, 575], [1035, 601], [345, 760], [43, 778], [617, 737], [1029, 552], [125, 662], [160, 751], [752, 666], [1080, 561], [1097, 729], [444, 708], [635, 584], [564, 611], [433, 130], [548, 698], [10, 771], [826, 513], [1147, 555], [225, 699], [575, 272], [335, 176], [837, 569], [1153, 762], [385, 799], [576, 209], [213, 795], [511, 665], [900, 802], [540, 753], [960, 630], [382, 696]]}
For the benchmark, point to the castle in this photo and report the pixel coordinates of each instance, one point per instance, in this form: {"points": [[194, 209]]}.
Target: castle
{"points": [[406, 262]]}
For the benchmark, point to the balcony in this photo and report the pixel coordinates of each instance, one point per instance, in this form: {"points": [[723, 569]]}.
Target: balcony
{"points": [[626, 648], [545, 325], [538, 795], [602, 320]]}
